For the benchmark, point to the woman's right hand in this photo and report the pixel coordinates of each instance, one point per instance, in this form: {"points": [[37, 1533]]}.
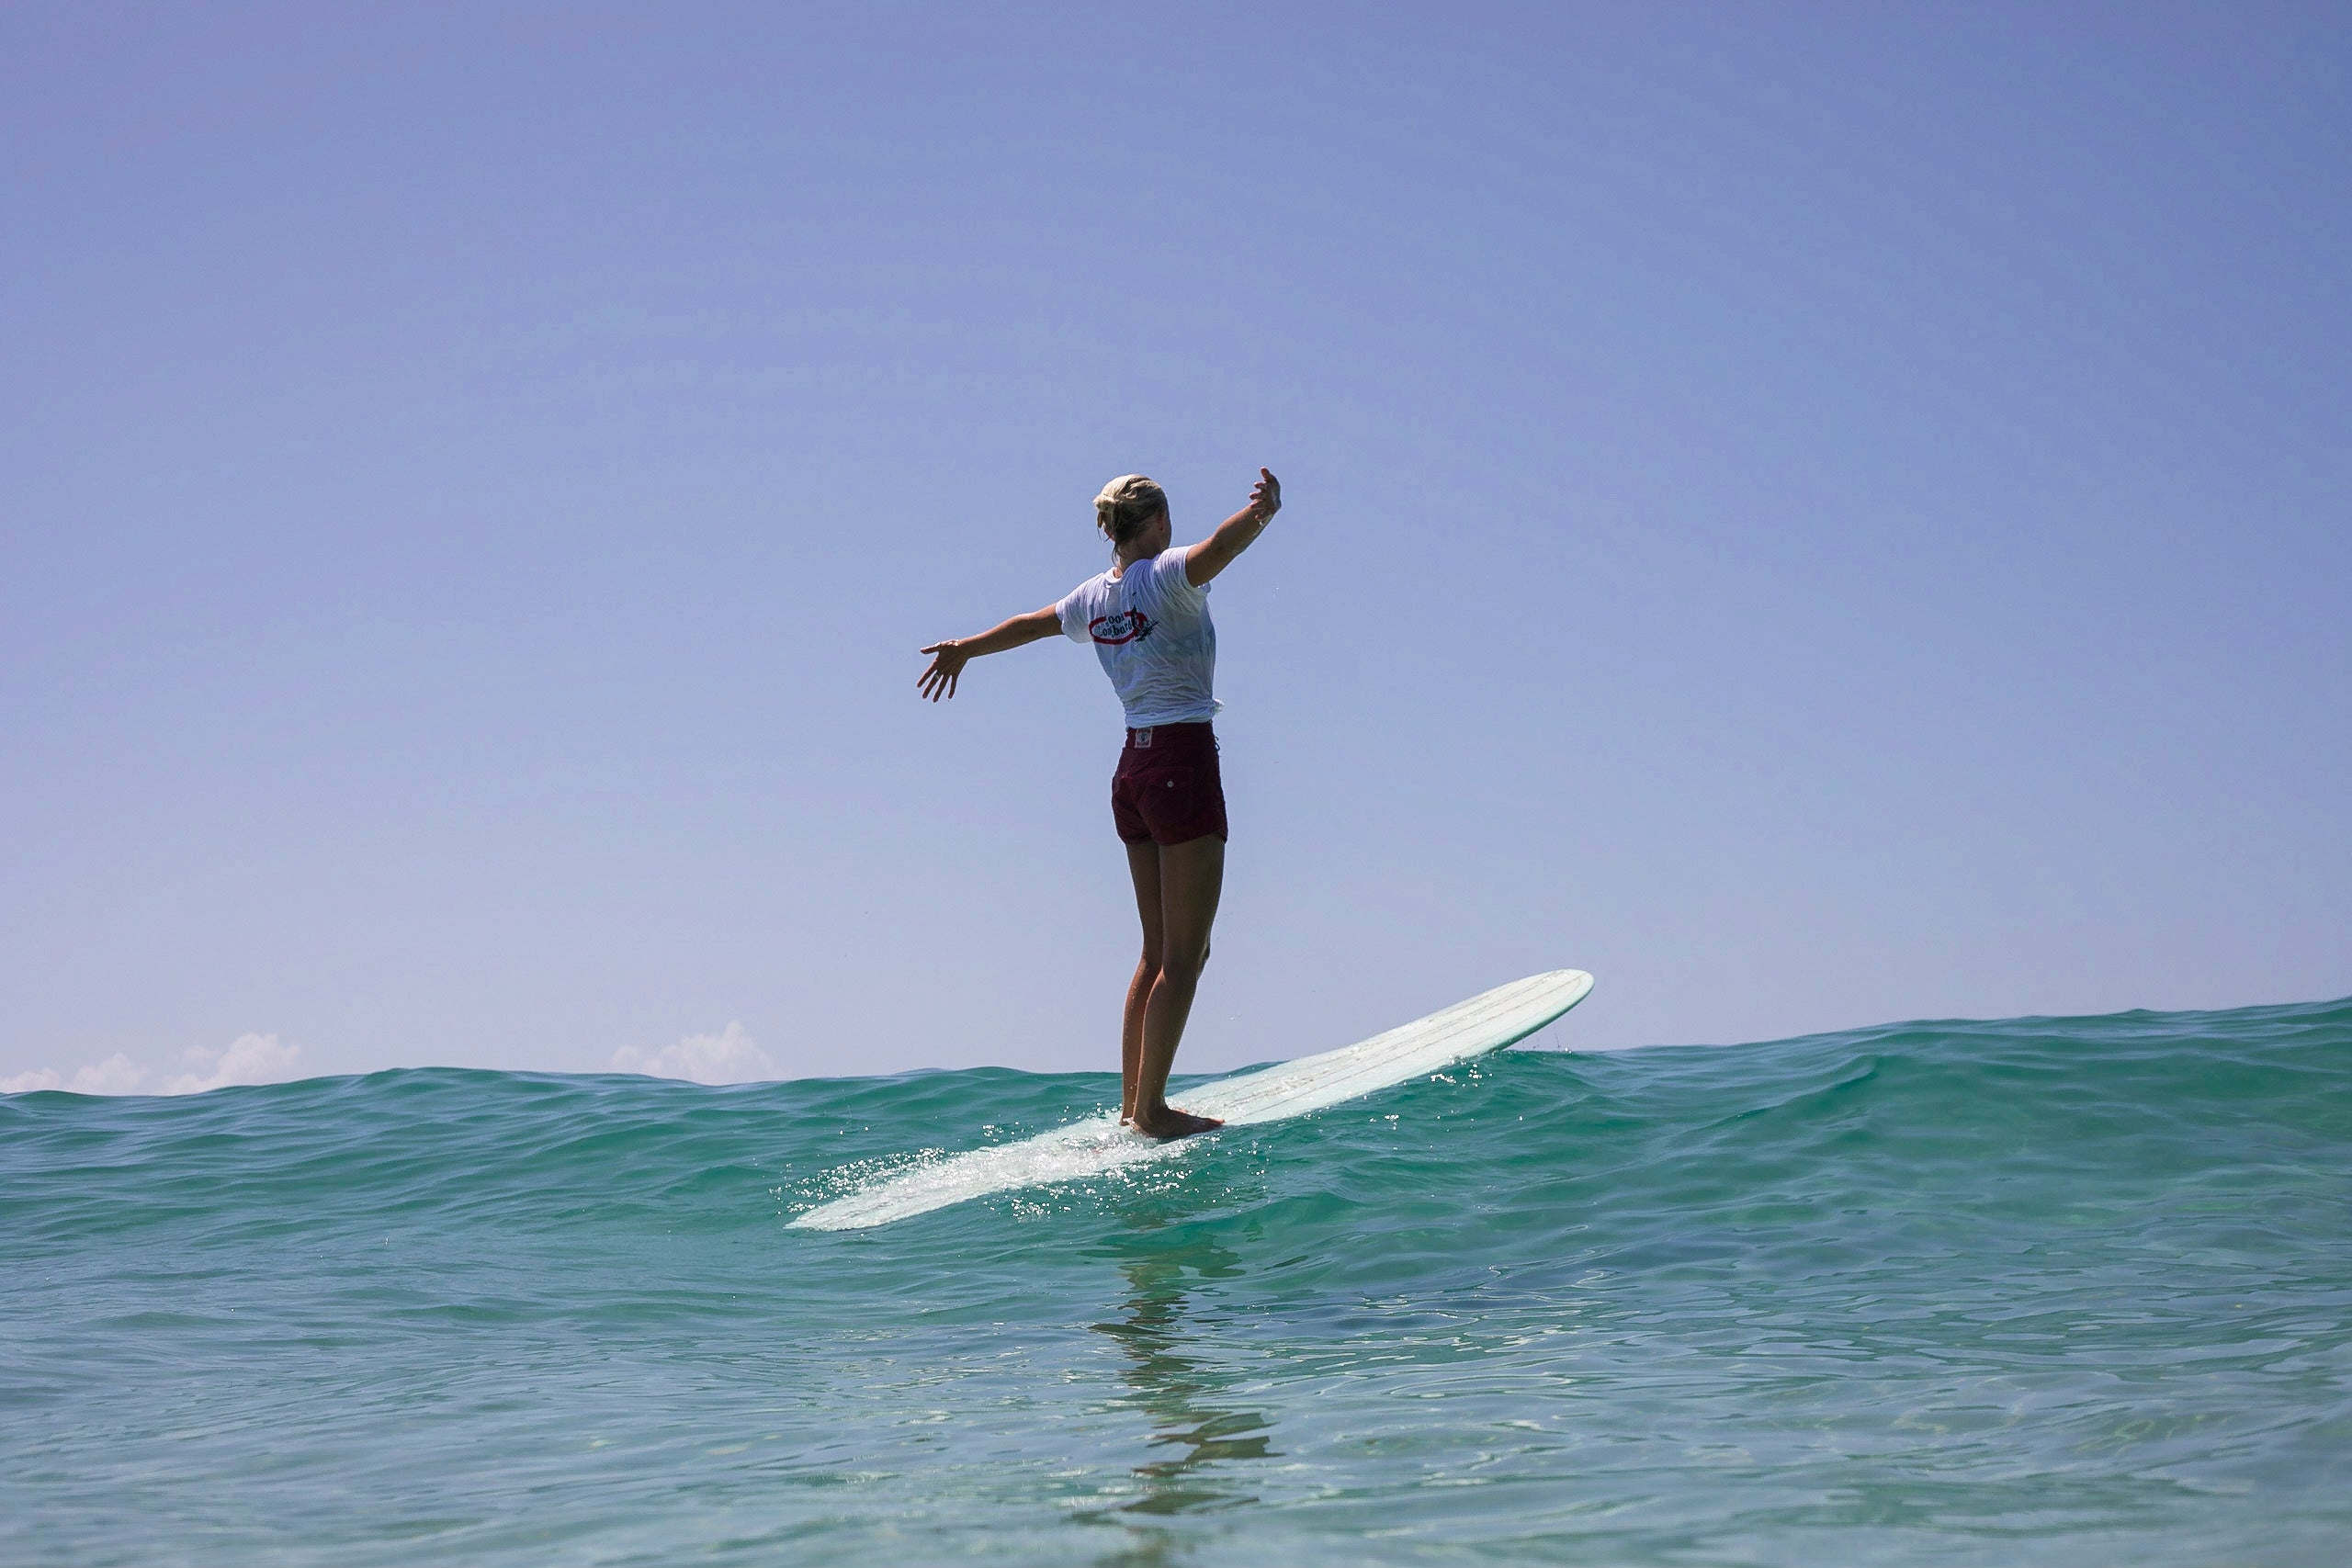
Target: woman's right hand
{"points": [[1266, 496], [946, 667]]}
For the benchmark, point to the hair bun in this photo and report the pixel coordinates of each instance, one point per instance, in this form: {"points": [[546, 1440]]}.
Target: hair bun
{"points": [[1126, 504]]}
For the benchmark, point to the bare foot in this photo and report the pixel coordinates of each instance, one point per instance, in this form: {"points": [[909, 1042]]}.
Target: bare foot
{"points": [[1170, 1123]]}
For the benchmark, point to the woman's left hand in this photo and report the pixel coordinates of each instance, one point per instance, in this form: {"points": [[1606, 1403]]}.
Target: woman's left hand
{"points": [[947, 661]]}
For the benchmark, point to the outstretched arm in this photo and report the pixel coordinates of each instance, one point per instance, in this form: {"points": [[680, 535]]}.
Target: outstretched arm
{"points": [[948, 659], [1236, 533]]}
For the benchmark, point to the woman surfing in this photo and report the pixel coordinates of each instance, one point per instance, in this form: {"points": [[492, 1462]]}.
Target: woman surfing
{"points": [[1147, 617]]}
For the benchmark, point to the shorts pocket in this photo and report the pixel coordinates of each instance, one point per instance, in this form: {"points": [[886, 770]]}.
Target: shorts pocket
{"points": [[1175, 778]]}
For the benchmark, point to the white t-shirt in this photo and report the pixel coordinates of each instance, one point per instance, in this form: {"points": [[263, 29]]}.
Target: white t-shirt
{"points": [[1151, 628]]}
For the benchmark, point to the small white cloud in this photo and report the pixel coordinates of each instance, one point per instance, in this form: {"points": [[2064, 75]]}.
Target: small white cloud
{"points": [[249, 1058], [732, 1056], [117, 1074]]}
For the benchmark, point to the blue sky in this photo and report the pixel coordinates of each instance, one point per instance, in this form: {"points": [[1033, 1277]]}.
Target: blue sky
{"points": [[1816, 514]]}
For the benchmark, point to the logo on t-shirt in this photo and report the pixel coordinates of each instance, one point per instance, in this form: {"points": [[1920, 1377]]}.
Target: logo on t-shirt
{"points": [[1127, 626]]}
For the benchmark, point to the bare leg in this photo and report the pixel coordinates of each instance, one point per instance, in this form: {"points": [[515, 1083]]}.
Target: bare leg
{"points": [[1143, 866], [1191, 877]]}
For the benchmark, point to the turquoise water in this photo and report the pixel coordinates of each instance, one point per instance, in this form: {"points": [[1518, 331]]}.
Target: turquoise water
{"points": [[2070, 1291]]}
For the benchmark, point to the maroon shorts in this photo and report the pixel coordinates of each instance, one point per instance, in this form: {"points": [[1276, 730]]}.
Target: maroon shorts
{"points": [[1168, 788]]}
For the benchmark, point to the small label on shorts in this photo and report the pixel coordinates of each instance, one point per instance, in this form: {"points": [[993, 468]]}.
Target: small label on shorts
{"points": [[1143, 739]]}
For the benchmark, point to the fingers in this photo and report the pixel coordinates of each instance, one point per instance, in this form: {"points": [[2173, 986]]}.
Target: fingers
{"points": [[947, 661], [938, 682], [938, 679]]}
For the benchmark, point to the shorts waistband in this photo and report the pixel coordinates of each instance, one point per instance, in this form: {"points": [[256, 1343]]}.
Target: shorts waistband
{"points": [[1169, 734]]}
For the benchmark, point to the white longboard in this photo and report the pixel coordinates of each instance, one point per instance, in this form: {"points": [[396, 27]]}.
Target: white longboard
{"points": [[1487, 1022]]}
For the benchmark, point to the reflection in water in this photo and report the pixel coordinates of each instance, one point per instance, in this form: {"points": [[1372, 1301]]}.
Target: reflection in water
{"points": [[1177, 1392]]}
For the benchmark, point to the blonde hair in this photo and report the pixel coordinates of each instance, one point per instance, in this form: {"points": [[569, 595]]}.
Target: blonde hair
{"points": [[1126, 504]]}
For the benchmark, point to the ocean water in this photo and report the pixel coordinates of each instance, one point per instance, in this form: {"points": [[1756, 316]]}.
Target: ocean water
{"points": [[2046, 1290]]}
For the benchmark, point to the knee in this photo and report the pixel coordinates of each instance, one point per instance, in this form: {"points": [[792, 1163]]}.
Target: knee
{"points": [[1183, 965]]}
